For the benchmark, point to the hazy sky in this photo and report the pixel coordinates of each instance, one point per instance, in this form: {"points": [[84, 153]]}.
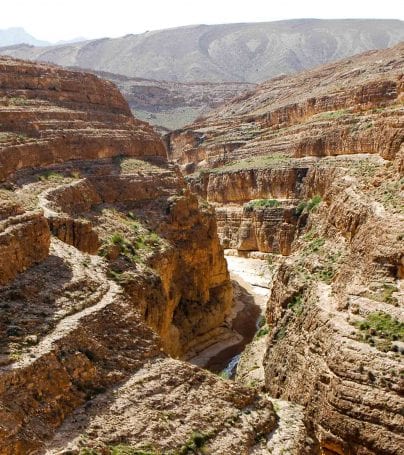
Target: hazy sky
{"points": [[55, 20]]}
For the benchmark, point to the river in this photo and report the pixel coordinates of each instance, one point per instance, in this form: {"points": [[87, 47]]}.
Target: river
{"points": [[251, 280]]}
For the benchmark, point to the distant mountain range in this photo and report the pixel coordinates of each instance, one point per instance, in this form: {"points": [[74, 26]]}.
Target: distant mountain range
{"points": [[17, 35], [251, 52]]}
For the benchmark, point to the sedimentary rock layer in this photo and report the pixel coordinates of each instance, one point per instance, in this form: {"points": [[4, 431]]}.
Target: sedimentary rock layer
{"points": [[108, 263], [50, 115], [335, 312]]}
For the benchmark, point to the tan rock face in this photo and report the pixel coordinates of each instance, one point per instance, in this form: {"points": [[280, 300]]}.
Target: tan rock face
{"points": [[74, 324], [343, 123], [270, 230], [245, 185], [24, 241], [336, 109], [49, 115]]}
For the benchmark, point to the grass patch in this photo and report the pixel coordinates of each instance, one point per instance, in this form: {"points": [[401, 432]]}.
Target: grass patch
{"points": [[256, 162], [130, 165], [50, 176], [261, 204]]}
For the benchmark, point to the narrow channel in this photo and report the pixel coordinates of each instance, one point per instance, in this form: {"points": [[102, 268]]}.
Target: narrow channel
{"points": [[251, 280]]}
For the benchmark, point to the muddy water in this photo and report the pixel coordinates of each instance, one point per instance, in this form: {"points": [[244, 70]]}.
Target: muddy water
{"points": [[251, 279]]}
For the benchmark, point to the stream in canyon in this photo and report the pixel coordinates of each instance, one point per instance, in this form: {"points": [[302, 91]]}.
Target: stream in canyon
{"points": [[251, 280]]}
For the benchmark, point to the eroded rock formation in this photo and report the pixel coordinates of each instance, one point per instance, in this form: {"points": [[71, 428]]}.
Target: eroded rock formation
{"points": [[325, 149], [108, 263]]}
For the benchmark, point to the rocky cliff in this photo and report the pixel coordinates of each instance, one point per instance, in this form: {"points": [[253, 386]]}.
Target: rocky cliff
{"points": [[317, 161], [108, 264]]}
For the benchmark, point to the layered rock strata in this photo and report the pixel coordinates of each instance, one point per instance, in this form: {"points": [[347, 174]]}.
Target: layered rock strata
{"points": [[335, 326], [107, 264]]}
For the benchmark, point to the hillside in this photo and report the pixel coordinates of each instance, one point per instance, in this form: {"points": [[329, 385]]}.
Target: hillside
{"points": [[171, 105], [232, 52]]}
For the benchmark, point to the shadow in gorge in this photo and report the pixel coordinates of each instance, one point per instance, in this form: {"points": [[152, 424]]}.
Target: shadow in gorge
{"points": [[245, 323]]}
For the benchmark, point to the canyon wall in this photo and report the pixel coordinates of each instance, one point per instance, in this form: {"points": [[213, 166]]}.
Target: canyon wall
{"points": [[311, 167], [108, 263]]}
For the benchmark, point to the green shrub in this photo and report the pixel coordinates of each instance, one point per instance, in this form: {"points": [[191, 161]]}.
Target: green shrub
{"points": [[196, 441], [261, 204], [308, 206], [262, 332], [313, 203], [117, 239], [296, 304], [50, 176]]}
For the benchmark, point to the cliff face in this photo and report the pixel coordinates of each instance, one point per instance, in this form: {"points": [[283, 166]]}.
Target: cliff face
{"points": [[311, 167], [107, 264], [330, 298], [349, 107], [50, 116]]}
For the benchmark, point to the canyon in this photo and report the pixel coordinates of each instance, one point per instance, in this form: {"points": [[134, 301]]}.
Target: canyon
{"points": [[234, 287], [307, 172], [110, 270]]}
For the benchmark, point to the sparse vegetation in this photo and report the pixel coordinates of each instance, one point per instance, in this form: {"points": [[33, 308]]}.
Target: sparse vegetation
{"points": [[50, 176], [261, 204], [141, 242], [224, 374], [390, 194], [281, 333], [256, 162], [308, 206], [380, 329], [129, 165], [314, 243], [18, 101], [120, 449], [330, 115], [383, 293], [296, 304], [195, 443]]}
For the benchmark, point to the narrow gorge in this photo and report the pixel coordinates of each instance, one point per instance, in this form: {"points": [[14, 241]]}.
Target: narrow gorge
{"points": [[233, 288], [307, 172]]}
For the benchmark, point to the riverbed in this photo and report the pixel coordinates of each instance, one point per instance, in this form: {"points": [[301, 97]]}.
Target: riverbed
{"points": [[251, 281]]}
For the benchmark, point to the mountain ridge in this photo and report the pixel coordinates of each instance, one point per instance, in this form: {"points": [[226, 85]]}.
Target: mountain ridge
{"points": [[246, 52]]}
